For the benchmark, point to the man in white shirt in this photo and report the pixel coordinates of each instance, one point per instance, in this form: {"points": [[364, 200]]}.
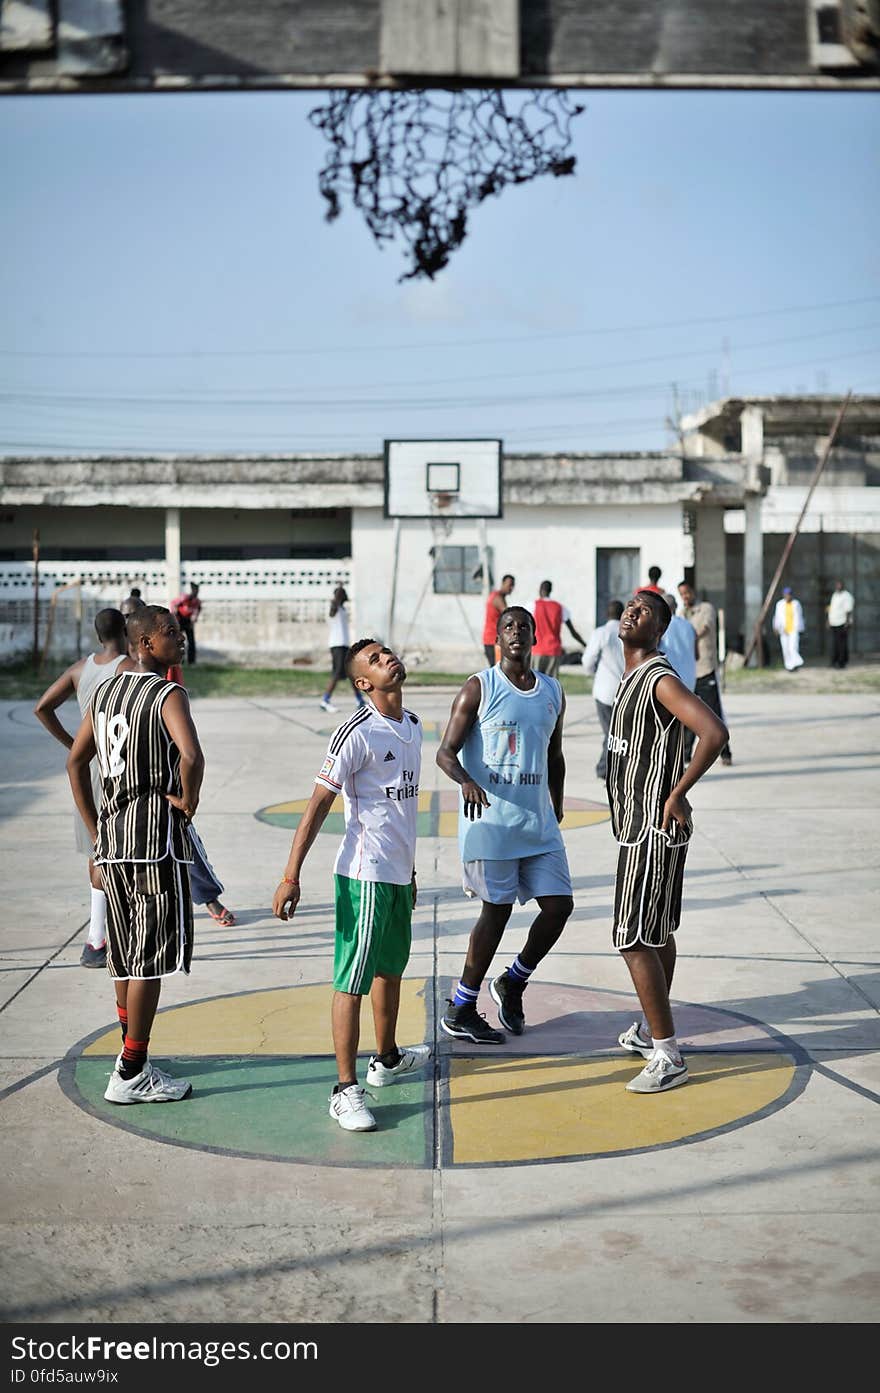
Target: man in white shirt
{"points": [[840, 614], [374, 761], [788, 623], [604, 658]]}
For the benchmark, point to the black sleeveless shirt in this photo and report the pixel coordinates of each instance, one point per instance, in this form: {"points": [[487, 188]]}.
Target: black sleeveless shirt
{"points": [[645, 754], [139, 764]]}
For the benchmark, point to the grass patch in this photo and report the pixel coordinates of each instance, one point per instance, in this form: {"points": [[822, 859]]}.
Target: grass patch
{"points": [[22, 682]]}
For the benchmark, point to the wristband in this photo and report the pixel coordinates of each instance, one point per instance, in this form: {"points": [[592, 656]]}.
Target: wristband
{"points": [[288, 880]]}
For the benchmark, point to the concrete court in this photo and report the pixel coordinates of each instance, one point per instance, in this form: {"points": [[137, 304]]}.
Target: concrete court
{"points": [[745, 1206]]}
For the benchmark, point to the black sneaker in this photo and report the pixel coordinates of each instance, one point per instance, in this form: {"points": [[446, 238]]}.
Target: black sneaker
{"points": [[466, 1023], [507, 994], [93, 957]]}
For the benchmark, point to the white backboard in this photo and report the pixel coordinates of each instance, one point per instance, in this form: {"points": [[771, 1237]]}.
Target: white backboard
{"points": [[443, 478]]}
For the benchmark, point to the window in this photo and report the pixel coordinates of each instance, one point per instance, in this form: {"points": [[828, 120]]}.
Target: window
{"points": [[457, 570]]}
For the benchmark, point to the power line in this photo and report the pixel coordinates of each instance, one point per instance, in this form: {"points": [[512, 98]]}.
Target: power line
{"points": [[62, 402], [220, 396], [715, 318]]}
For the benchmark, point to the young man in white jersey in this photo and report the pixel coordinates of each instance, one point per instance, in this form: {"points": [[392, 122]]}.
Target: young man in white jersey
{"points": [[506, 724], [374, 760], [651, 821]]}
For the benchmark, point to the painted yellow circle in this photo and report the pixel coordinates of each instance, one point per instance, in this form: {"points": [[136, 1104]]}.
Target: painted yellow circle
{"points": [[437, 814], [493, 1109]]}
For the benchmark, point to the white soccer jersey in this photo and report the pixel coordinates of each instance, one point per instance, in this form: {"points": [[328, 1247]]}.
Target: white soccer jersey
{"points": [[375, 763]]}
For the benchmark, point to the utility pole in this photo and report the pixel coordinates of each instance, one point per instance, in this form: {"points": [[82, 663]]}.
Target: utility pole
{"points": [[36, 556], [786, 551]]}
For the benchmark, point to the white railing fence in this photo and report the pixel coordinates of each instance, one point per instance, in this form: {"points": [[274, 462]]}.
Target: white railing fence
{"points": [[252, 609]]}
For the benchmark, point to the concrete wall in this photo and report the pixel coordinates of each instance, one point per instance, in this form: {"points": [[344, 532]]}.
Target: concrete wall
{"points": [[206, 533], [817, 560], [532, 543]]}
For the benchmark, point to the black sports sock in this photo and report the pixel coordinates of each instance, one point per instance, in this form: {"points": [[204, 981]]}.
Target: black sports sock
{"points": [[390, 1057]]}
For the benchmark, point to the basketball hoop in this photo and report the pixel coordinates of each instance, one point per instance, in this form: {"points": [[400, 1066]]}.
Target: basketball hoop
{"points": [[442, 519], [416, 162]]}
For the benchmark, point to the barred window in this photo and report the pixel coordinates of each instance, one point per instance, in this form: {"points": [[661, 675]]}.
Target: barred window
{"points": [[457, 570]]}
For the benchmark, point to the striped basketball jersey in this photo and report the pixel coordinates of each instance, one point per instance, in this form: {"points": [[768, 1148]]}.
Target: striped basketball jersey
{"points": [[506, 754], [645, 754], [139, 765], [375, 763]]}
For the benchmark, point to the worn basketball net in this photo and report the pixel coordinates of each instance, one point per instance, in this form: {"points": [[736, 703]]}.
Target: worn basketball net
{"points": [[415, 163], [441, 504]]}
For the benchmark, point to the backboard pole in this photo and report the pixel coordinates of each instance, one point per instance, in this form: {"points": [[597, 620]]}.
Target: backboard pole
{"points": [[392, 603], [484, 558]]}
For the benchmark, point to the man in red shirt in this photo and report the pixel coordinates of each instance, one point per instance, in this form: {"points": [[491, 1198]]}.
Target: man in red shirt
{"points": [[495, 606], [654, 574], [188, 608], [550, 616]]}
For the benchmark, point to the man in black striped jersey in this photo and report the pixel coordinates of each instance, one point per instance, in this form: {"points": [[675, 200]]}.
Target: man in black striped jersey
{"points": [[651, 821], [151, 768]]}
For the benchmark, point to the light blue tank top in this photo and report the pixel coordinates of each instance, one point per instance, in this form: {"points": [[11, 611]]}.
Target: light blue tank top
{"points": [[506, 754]]}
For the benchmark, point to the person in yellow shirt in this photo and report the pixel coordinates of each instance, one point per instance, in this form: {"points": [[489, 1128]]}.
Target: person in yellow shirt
{"points": [[788, 623]]}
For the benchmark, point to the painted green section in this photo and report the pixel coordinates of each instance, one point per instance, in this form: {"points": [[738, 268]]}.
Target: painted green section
{"points": [[272, 1107], [427, 820], [334, 823]]}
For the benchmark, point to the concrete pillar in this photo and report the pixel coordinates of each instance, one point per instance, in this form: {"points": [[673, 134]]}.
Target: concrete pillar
{"points": [[172, 552], [710, 556], [440, 37], [752, 432], [753, 569]]}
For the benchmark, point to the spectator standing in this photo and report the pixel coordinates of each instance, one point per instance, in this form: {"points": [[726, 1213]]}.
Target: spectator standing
{"points": [[679, 644], [339, 642], [840, 615], [495, 606], [704, 619], [604, 659], [187, 608], [549, 616], [654, 574], [788, 623]]}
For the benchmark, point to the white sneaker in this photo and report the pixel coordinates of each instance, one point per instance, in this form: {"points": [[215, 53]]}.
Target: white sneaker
{"points": [[413, 1058], [634, 1042], [326, 705], [151, 1085], [349, 1107], [659, 1075]]}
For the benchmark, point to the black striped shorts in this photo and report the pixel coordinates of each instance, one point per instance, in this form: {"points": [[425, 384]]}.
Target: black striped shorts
{"points": [[647, 891], [149, 918]]}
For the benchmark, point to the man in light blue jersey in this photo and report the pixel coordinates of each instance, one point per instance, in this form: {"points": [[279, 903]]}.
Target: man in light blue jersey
{"points": [[506, 726]]}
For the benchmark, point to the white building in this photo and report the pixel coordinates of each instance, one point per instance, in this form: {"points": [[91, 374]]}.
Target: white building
{"points": [[268, 537]]}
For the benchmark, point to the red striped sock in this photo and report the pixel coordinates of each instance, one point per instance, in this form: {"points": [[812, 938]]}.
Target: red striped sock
{"points": [[134, 1057], [123, 1021]]}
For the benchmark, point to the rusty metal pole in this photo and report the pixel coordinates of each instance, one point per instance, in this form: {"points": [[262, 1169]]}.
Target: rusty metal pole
{"points": [[36, 556], [786, 551]]}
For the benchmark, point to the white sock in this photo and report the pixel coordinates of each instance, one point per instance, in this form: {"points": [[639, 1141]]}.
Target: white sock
{"points": [[98, 921], [669, 1048]]}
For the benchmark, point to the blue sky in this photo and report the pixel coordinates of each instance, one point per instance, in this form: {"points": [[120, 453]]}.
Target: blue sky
{"points": [[169, 281]]}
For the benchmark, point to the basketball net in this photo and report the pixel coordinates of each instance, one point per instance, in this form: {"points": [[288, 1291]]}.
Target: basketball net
{"points": [[441, 520], [415, 163]]}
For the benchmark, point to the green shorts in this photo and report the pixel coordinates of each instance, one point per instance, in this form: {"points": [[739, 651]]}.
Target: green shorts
{"points": [[373, 932]]}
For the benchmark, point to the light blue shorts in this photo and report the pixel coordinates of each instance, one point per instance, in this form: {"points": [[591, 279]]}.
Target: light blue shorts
{"points": [[524, 878]]}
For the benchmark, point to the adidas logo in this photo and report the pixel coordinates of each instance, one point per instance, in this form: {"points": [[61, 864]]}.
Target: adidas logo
{"points": [[387, 757]]}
